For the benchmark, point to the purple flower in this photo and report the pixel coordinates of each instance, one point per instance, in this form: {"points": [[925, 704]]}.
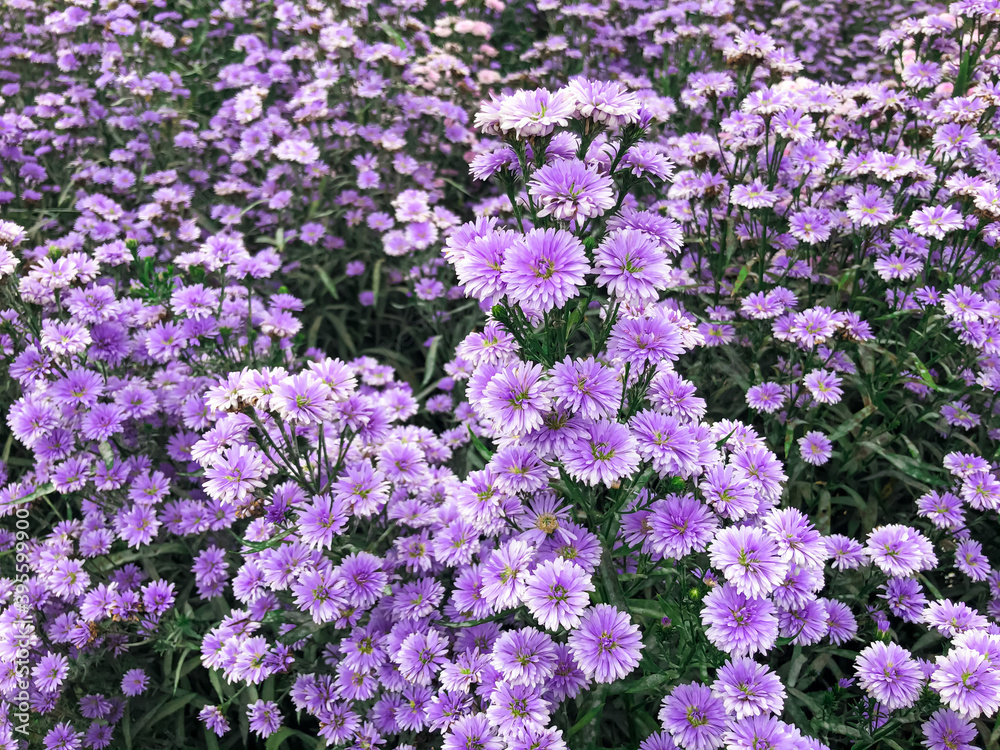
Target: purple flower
{"points": [[899, 550], [134, 682], [421, 656], [737, 624], [946, 730], [757, 732], [605, 455], [824, 386], [679, 525], [557, 593], [606, 645], [50, 671], [471, 731], [889, 674], [695, 718], [524, 657], [815, 448], [869, 209], [544, 269], [505, 575], [265, 718], [748, 688], [604, 102], [533, 113], [967, 682], [645, 340], [516, 708], [586, 387], [670, 446], [516, 398], [232, 477], [766, 397], [749, 559], [569, 190], [632, 265]]}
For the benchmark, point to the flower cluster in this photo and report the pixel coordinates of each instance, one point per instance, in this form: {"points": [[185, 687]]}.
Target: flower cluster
{"points": [[689, 434]]}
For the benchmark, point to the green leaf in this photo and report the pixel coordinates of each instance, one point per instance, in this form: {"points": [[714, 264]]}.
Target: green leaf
{"points": [[483, 451], [854, 422], [277, 739], [432, 353], [744, 273], [105, 449], [377, 280], [327, 282]]}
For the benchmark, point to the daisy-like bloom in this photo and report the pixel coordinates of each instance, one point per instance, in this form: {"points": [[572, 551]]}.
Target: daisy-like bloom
{"points": [[694, 717], [514, 709], [946, 730], [952, 618], [964, 465], [265, 717], [899, 550], [888, 673], [670, 446], [766, 397], [606, 454], [232, 477], [967, 682], [606, 646], [569, 190], [680, 525], [761, 306], [963, 304], [303, 398], [810, 225], [898, 266], [754, 195], [524, 657], [471, 731], [50, 671], [845, 553], [905, 597], [797, 539], [505, 575], [516, 398], [969, 559], [869, 209], [824, 386], [981, 490], [748, 688], [944, 509], [815, 448], [759, 732], [840, 622], [727, 490], [421, 656], [134, 682], [544, 269], [813, 326], [478, 265], [750, 560], [604, 102], [632, 265], [557, 593], [646, 340], [737, 624], [586, 387], [936, 221], [534, 112]]}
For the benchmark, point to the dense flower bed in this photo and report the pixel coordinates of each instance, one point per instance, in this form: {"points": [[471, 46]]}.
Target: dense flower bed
{"points": [[483, 376]]}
